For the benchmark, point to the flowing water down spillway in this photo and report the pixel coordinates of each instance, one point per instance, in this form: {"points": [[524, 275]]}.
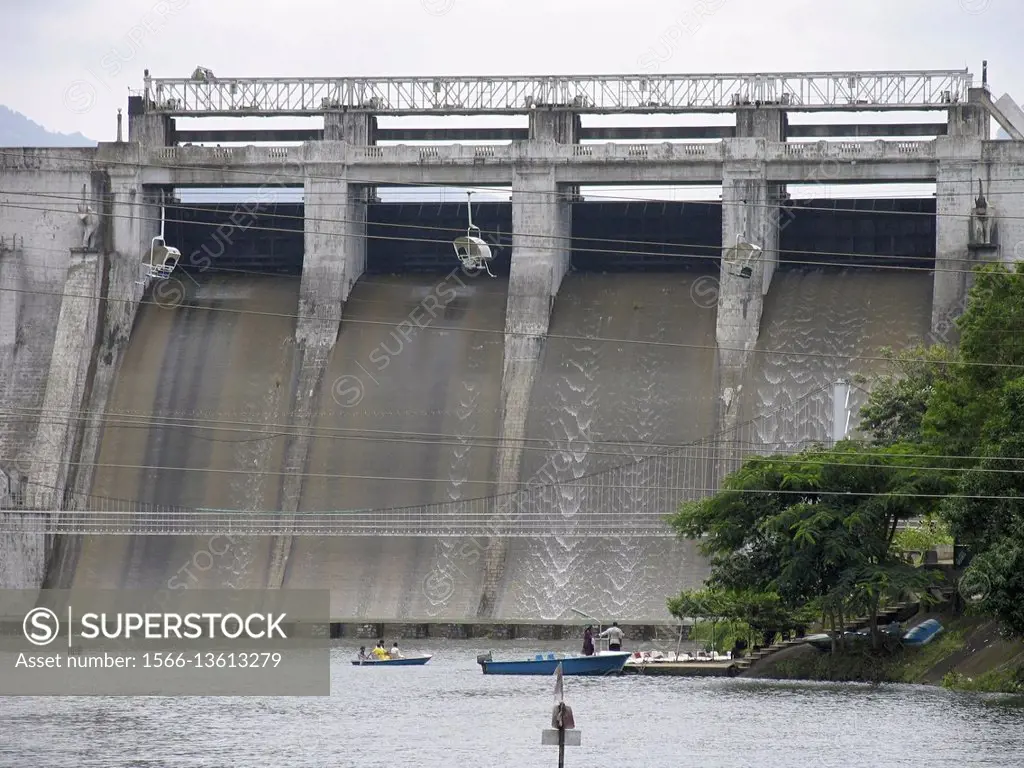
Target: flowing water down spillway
{"points": [[601, 404], [409, 416], [197, 419], [818, 327]]}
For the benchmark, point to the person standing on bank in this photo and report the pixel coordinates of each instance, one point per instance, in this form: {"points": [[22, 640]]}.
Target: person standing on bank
{"points": [[614, 635]]}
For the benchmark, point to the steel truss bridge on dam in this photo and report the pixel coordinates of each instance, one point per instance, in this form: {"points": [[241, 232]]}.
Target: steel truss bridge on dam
{"points": [[206, 95], [630, 500], [351, 138]]}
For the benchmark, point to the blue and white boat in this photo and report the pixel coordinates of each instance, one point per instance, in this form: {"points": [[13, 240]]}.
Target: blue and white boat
{"points": [[409, 661], [923, 633], [607, 663]]}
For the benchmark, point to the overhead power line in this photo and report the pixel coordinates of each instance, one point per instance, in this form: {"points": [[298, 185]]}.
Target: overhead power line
{"points": [[257, 432], [704, 491], [564, 242], [550, 336], [929, 264]]}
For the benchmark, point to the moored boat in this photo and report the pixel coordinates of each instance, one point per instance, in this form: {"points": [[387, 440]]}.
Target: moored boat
{"points": [[409, 661], [609, 663], [923, 633]]}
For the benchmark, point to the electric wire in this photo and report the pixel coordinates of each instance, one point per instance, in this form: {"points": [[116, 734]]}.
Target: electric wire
{"points": [[705, 491], [928, 263], [125, 420], [357, 321], [526, 334]]}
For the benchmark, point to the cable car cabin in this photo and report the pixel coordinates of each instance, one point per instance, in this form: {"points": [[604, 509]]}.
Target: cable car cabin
{"points": [[739, 260], [163, 258], [471, 249], [474, 253]]}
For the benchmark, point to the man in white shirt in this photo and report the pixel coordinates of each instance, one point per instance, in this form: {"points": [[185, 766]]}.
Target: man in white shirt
{"points": [[614, 635], [394, 653]]}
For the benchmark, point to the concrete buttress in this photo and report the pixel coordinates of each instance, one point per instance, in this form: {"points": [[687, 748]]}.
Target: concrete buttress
{"points": [[67, 383], [335, 257], [131, 220], [749, 211], [959, 169], [542, 228]]}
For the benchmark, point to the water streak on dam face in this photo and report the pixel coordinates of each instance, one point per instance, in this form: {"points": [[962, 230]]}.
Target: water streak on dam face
{"points": [[209, 387], [826, 319], [424, 405], [589, 399]]}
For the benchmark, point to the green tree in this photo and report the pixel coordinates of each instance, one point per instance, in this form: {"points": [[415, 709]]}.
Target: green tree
{"points": [[991, 353], [899, 400], [975, 417], [815, 526]]}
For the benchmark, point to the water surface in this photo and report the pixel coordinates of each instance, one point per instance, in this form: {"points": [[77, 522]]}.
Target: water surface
{"points": [[449, 714]]}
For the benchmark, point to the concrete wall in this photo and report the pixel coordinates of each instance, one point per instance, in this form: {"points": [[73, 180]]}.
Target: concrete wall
{"points": [[43, 219], [74, 311], [39, 226], [750, 214]]}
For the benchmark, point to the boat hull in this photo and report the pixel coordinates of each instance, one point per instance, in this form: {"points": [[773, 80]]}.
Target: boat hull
{"points": [[605, 664], [923, 633], [416, 661]]}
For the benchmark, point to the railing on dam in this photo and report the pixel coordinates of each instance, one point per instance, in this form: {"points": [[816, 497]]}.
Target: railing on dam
{"points": [[467, 164], [665, 152], [629, 500], [588, 94]]}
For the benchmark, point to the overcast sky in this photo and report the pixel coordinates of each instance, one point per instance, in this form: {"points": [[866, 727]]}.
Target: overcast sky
{"points": [[53, 45]]}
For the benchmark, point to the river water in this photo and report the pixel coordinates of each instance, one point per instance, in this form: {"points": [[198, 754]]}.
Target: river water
{"points": [[448, 714]]}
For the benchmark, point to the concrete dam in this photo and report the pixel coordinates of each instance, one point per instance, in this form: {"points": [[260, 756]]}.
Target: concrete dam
{"points": [[287, 381]]}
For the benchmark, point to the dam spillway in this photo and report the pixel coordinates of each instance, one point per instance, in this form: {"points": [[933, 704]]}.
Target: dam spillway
{"points": [[415, 423], [195, 420], [509, 379], [599, 405]]}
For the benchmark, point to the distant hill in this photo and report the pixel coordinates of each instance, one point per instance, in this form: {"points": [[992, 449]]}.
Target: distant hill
{"points": [[16, 130]]}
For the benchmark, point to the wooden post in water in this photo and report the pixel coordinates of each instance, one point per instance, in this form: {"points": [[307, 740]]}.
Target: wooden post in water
{"points": [[563, 727], [561, 732]]}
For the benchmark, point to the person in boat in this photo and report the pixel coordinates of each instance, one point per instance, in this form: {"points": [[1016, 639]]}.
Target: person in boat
{"points": [[395, 653], [379, 652], [614, 635], [363, 655], [588, 641]]}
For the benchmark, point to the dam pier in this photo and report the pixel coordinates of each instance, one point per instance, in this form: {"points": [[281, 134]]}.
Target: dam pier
{"points": [[319, 397]]}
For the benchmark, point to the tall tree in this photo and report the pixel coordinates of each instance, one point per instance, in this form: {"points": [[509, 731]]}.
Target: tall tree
{"points": [[975, 416]]}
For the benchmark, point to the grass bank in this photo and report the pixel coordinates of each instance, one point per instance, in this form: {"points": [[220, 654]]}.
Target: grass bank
{"points": [[969, 655]]}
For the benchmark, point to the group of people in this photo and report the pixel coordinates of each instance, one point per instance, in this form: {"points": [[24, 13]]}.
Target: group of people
{"points": [[614, 634], [378, 653]]}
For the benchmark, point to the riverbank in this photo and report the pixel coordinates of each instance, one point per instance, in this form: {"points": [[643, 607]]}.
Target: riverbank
{"points": [[969, 655]]}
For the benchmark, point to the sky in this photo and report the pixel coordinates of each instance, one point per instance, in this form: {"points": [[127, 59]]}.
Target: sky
{"points": [[73, 61]]}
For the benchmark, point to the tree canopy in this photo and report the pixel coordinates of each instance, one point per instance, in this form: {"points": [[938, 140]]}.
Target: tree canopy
{"points": [[814, 528]]}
